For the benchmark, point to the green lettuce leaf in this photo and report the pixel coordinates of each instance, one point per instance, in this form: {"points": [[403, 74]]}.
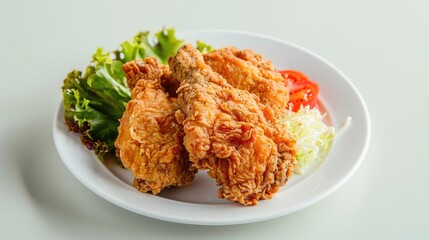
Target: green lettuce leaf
{"points": [[162, 46], [204, 47], [94, 101]]}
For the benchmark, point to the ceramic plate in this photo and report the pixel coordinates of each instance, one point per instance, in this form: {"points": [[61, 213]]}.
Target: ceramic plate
{"points": [[197, 203]]}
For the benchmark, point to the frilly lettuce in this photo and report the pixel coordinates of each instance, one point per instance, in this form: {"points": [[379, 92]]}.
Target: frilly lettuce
{"points": [[204, 47]]}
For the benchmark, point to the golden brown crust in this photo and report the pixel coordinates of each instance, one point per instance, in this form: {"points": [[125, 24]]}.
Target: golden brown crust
{"points": [[228, 132], [249, 71], [150, 140]]}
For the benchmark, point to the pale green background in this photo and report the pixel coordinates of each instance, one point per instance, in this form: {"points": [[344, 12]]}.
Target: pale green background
{"points": [[382, 46]]}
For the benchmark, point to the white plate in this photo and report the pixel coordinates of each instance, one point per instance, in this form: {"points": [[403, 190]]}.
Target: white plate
{"points": [[197, 203]]}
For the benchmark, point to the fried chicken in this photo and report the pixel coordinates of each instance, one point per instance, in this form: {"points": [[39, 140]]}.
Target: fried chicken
{"points": [[227, 132], [150, 68], [150, 140], [249, 71]]}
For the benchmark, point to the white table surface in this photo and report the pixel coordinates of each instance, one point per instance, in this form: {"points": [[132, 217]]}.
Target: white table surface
{"points": [[382, 46]]}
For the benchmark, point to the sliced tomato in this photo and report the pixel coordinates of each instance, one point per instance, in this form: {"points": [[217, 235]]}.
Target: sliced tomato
{"points": [[302, 91]]}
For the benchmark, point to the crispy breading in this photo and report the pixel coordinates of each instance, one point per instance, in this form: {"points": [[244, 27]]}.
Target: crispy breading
{"points": [[150, 68], [249, 71], [228, 133], [150, 140]]}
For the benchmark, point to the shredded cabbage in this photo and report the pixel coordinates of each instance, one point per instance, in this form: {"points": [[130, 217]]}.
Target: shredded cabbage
{"points": [[313, 136]]}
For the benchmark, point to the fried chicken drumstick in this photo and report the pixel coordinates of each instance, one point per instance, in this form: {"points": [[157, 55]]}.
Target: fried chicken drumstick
{"points": [[227, 132], [150, 140]]}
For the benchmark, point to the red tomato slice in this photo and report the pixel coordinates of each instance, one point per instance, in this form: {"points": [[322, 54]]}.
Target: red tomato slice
{"points": [[302, 91]]}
